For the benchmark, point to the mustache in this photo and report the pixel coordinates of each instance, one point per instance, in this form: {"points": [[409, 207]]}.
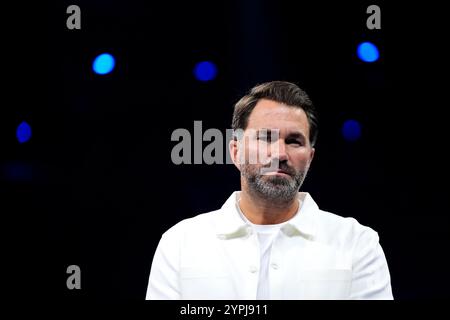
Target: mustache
{"points": [[282, 165]]}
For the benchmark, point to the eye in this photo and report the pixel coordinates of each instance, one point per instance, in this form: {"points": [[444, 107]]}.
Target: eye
{"points": [[265, 137], [294, 142]]}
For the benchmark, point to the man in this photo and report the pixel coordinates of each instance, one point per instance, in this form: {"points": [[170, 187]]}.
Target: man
{"points": [[270, 241]]}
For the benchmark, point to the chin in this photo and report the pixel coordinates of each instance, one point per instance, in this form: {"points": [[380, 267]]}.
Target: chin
{"points": [[278, 180]]}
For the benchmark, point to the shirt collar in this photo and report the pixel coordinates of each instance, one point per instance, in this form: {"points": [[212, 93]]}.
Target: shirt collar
{"points": [[231, 225]]}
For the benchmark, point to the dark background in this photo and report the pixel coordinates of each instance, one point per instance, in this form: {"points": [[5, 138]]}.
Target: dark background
{"points": [[95, 185]]}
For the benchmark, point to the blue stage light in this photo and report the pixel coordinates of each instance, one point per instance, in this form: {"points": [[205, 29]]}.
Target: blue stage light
{"points": [[351, 130], [205, 71], [103, 64], [23, 132], [368, 52], [18, 171]]}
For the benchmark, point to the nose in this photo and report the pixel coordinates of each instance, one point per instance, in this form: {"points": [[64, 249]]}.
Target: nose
{"points": [[279, 150]]}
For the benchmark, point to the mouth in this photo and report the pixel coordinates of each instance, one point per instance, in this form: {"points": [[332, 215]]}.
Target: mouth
{"points": [[278, 173]]}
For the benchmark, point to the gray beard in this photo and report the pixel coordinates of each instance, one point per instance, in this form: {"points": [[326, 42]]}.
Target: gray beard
{"points": [[273, 188]]}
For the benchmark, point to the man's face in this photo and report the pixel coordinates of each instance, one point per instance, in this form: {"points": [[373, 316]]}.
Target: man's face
{"points": [[275, 153]]}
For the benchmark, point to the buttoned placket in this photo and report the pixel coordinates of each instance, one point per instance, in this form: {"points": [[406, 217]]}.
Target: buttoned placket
{"points": [[254, 261], [275, 269]]}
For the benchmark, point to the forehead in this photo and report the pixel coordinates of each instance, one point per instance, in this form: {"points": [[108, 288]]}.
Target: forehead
{"points": [[274, 115]]}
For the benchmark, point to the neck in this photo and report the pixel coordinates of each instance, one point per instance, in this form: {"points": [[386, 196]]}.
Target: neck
{"points": [[262, 211]]}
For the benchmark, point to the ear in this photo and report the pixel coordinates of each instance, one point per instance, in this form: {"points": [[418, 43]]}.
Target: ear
{"points": [[311, 155], [234, 152]]}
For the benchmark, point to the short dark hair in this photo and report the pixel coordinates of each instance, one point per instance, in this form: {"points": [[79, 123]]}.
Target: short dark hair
{"points": [[280, 91]]}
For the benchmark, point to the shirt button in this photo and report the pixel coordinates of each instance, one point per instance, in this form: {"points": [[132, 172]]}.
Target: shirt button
{"points": [[253, 269], [274, 266]]}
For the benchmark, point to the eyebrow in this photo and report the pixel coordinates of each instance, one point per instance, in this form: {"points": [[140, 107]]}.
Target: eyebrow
{"points": [[291, 135], [296, 134]]}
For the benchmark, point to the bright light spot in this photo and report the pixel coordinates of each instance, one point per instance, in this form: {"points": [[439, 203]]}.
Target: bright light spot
{"points": [[351, 130], [104, 63], [368, 52], [23, 132], [205, 71]]}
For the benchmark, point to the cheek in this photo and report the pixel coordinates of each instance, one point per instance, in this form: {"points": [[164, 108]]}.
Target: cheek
{"points": [[244, 153], [301, 159], [255, 152]]}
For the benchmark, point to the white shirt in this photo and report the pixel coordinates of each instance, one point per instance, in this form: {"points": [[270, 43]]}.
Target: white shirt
{"points": [[266, 233], [316, 255]]}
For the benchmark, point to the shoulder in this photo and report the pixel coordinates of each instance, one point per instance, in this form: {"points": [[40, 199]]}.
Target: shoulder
{"points": [[201, 227], [333, 227], [194, 225]]}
